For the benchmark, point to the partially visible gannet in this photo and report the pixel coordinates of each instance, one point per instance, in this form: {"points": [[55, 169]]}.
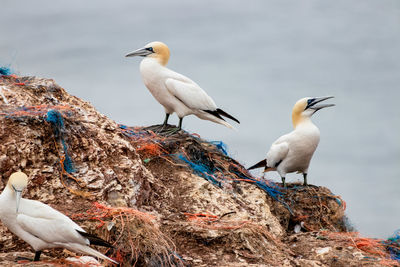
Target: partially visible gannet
{"points": [[293, 152], [40, 225], [174, 91]]}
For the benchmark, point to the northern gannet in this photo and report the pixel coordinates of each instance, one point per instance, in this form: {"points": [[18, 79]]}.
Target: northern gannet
{"points": [[293, 151], [40, 225], [174, 91]]}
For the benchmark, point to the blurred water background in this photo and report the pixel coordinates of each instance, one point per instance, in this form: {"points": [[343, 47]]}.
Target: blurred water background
{"points": [[256, 59]]}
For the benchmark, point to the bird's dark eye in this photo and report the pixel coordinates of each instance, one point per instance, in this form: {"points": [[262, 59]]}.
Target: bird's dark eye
{"points": [[309, 103], [150, 49]]}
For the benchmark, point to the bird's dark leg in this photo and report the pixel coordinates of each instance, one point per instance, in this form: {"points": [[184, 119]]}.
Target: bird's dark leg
{"points": [[37, 255], [166, 119], [174, 130], [180, 124], [305, 179], [283, 182], [159, 127]]}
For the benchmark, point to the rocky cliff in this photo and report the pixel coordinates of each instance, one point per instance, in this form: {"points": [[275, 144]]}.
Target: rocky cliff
{"points": [[162, 198]]}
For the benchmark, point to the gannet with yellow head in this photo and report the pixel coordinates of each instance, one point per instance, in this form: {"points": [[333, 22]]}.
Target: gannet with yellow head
{"points": [[40, 225], [293, 152], [174, 91]]}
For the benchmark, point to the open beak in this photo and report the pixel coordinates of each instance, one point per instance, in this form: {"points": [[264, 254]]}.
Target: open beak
{"points": [[313, 105], [140, 52], [19, 195]]}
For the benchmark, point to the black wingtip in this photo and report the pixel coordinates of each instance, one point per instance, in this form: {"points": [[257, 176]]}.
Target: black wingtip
{"points": [[95, 240], [223, 113], [260, 164]]}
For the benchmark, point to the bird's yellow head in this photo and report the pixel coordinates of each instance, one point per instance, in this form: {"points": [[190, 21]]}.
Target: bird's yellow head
{"points": [[157, 50], [17, 183], [306, 107]]}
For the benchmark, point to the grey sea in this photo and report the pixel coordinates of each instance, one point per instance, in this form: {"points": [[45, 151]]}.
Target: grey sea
{"points": [[256, 59]]}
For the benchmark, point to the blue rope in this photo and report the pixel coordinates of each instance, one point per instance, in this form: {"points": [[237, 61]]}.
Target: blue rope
{"points": [[177, 256], [57, 121], [273, 191], [205, 172], [338, 201], [5, 71], [393, 245], [221, 146], [130, 132], [201, 170]]}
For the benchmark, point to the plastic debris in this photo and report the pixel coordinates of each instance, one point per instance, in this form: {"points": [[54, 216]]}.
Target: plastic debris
{"points": [[5, 71]]}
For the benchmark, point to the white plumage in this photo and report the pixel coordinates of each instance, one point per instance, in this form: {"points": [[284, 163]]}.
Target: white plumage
{"points": [[40, 225], [293, 152], [174, 91], [189, 93]]}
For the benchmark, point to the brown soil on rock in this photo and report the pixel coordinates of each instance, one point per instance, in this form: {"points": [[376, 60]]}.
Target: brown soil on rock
{"points": [[133, 187]]}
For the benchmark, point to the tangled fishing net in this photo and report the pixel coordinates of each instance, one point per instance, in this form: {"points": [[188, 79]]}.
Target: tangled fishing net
{"points": [[316, 208], [206, 159], [52, 114], [384, 252], [5, 71], [134, 234], [392, 245], [244, 237]]}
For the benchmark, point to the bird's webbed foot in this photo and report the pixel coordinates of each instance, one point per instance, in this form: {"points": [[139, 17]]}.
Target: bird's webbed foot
{"points": [[159, 128], [20, 258], [36, 258], [163, 130], [171, 131], [155, 128]]}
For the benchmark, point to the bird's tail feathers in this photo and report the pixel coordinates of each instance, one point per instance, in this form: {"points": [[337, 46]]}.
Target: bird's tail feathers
{"points": [[227, 125], [269, 169], [206, 115], [88, 250], [261, 164], [95, 240]]}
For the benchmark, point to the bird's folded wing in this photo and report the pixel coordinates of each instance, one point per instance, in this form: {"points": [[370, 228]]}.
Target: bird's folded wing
{"points": [[37, 209], [190, 94], [277, 153], [51, 230]]}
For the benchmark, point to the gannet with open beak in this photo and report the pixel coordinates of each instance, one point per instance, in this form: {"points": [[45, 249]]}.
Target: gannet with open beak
{"points": [[174, 91], [40, 225], [293, 152]]}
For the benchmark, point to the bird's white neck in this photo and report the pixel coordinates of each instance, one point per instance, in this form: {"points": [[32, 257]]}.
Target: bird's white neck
{"points": [[154, 58], [150, 64], [304, 123], [8, 194], [299, 119]]}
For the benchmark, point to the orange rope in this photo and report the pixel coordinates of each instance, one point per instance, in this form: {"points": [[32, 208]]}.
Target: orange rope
{"points": [[372, 246], [63, 172]]}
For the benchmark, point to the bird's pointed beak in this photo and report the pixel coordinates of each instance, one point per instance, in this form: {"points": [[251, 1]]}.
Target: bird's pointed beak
{"points": [[140, 52], [313, 105], [18, 195]]}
